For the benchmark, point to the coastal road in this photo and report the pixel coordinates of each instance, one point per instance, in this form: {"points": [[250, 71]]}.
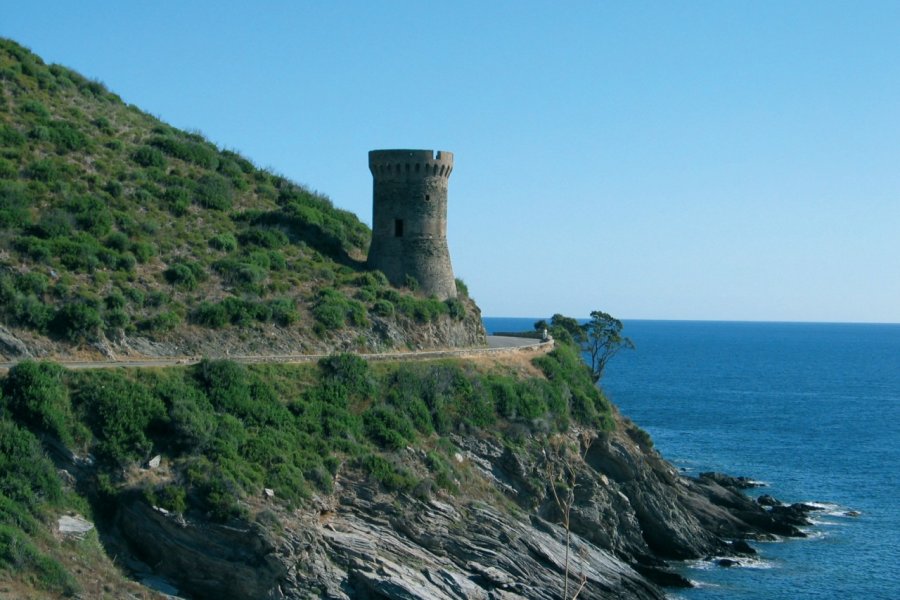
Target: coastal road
{"points": [[497, 346]]}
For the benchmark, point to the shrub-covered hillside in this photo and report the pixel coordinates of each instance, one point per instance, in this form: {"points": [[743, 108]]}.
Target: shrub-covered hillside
{"points": [[228, 431], [121, 232]]}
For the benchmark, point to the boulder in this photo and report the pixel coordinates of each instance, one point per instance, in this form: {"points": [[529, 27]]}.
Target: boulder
{"points": [[767, 500]]}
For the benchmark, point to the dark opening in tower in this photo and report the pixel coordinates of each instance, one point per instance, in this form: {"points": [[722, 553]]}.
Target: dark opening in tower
{"points": [[398, 227]]}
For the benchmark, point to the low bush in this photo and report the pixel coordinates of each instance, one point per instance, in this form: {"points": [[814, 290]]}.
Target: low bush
{"points": [[423, 310], [223, 241], [264, 238], [28, 485], [199, 153], [456, 308], [14, 203], [393, 477], [333, 310], [383, 308], [185, 275], [36, 395], [161, 322], [148, 156], [121, 415], [77, 321], [214, 192]]}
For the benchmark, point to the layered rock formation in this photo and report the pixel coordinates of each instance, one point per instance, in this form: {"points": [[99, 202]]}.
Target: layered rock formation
{"points": [[499, 537]]}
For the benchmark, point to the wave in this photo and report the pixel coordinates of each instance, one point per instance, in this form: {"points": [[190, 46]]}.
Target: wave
{"points": [[746, 562], [830, 509]]}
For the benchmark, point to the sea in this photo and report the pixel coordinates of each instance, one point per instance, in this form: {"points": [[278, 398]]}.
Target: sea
{"points": [[811, 410]]}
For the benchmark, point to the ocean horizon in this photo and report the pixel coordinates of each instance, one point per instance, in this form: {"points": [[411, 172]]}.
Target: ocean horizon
{"points": [[810, 409]]}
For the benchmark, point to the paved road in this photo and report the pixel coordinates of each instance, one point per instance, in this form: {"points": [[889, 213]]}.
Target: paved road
{"points": [[497, 345], [503, 341]]}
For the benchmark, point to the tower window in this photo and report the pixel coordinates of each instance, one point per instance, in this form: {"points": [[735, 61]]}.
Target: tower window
{"points": [[427, 197], [398, 227]]}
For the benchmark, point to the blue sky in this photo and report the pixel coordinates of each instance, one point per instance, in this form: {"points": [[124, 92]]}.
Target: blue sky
{"points": [[676, 160]]}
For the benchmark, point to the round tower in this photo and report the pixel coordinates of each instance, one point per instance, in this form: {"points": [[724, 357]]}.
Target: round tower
{"points": [[409, 218]]}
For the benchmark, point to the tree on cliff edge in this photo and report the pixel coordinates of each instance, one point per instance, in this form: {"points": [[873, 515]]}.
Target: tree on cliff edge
{"points": [[603, 339]]}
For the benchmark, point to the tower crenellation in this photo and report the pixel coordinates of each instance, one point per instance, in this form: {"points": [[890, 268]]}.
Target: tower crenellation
{"points": [[409, 218], [410, 164]]}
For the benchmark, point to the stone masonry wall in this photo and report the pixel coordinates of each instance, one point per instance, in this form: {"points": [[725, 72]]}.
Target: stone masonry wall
{"points": [[409, 218]]}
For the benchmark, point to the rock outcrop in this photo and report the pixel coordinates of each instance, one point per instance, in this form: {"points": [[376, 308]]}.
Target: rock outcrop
{"points": [[631, 512]]}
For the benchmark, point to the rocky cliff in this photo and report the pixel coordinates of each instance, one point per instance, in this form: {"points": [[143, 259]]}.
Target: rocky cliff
{"points": [[631, 513]]}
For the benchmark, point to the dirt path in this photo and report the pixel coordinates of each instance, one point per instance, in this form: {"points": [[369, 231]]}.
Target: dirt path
{"points": [[498, 346]]}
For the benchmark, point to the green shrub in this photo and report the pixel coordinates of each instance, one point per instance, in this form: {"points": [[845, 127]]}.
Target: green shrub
{"points": [[117, 319], [143, 251], [284, 311], [461, 288], [185, 275], [192, 422], [14, 202], [178, 199], [32, 283], [36, 395], [387, 427], [241, 274], [259, 258], [393, 477], [170, 497], [443, 474], [148, 156], [54, 223], [156, 298], [80, 252], [214, 192], [264, 238], [456, 308], [91, 214], [29, 311], [18, 554], [164, 321], [117, 241], [120, 414], [114, 300], [333, 310], [196, 152], [423, 310], [43, 169], [10, 137], [224, 241], [365, 295], [66, 137], [135, 295], [211, 314], [37, 249], [347, 372], [586, 403], [34, 107], [77, 321], [8, 170]]}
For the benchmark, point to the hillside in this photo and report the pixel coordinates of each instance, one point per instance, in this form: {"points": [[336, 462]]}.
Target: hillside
{"points": [[121, 235], [490, 478], [437, 479]]}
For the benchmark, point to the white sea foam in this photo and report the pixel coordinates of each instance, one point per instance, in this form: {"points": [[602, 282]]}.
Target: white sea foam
{"points": [[813, 534]]}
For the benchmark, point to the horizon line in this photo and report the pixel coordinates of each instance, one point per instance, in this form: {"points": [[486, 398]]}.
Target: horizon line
{"points": [[760, 321]]}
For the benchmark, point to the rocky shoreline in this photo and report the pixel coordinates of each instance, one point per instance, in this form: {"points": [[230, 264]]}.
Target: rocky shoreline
{"points": [[632, 514]]}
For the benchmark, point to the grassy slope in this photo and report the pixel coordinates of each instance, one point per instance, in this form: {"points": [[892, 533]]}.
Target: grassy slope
{"points": [[113, 223]]}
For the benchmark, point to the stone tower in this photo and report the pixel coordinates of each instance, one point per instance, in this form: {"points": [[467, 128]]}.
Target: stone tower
{"points": [[409, 218]]}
